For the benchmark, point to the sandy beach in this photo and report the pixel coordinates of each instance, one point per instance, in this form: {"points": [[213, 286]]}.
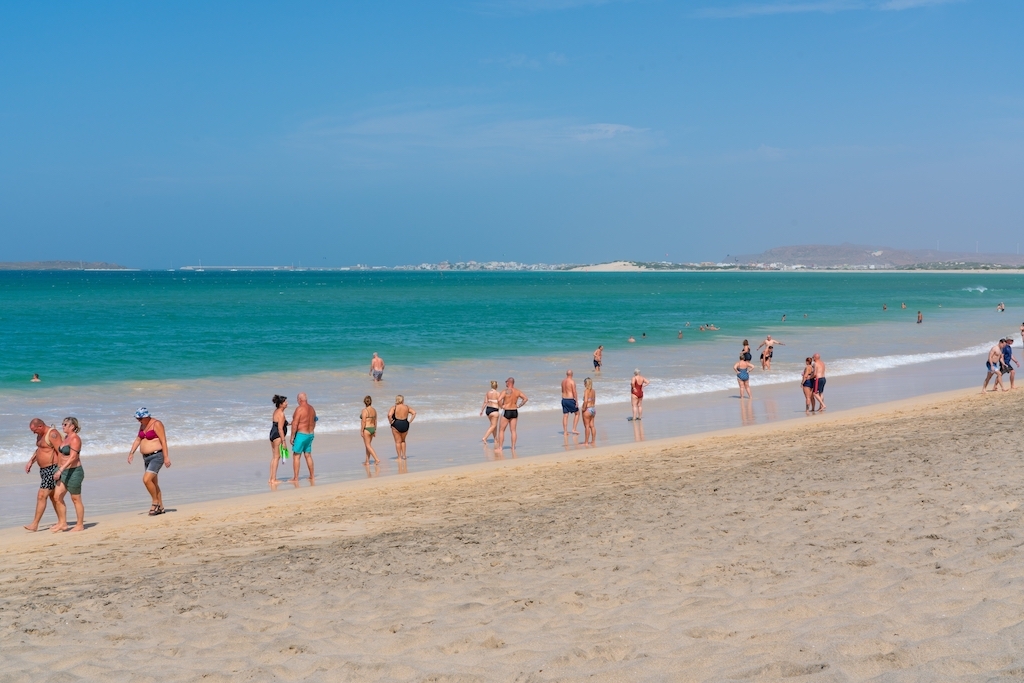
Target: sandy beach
{"points": [[876, 544]]}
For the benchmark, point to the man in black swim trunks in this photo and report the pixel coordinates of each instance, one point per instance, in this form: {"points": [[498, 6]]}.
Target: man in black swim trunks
{"points": [[600, 352], [819, 382], [510, 405], [48, 440]]}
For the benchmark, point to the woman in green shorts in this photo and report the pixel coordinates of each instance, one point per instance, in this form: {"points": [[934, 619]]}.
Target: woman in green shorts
{"points": [[69, 476], [368, 428]]}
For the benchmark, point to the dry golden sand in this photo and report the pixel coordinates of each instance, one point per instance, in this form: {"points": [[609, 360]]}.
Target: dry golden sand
{"points": [[880, 547]]}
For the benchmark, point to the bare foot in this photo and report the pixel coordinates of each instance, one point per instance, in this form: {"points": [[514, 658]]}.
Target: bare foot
{"points": [[575, 432], [30, 528], [78, 528], [295, 480], [54, 529]]}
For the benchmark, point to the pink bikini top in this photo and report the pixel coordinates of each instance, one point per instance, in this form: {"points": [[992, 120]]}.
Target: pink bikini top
{"points": [[151, 434]]}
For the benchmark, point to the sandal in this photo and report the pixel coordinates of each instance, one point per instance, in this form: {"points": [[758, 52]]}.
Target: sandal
{"points": [[155, 510]]}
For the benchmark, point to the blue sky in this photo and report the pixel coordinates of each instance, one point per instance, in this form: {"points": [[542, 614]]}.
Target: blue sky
{"points": [[158, 134]]}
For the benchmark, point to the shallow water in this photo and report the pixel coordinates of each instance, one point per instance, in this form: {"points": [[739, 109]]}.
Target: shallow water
{"points": [[206, 351]]}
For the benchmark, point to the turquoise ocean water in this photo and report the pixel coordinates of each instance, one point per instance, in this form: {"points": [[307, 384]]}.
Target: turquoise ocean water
{"points": [[207, 350]]}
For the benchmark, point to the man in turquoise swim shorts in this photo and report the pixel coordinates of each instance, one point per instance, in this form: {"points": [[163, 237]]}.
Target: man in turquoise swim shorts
{"points": [[303, 424]]}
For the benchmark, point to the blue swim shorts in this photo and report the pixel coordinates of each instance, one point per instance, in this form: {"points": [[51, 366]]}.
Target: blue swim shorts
{"points": [[569, 405], [303, 443]]}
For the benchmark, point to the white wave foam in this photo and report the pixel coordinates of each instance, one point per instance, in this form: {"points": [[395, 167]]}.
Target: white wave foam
{"points": [[210, 429], [978, 289]]}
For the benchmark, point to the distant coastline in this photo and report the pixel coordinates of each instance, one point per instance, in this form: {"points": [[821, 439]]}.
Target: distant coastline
{"points": [[60, 265], [800, 258]]}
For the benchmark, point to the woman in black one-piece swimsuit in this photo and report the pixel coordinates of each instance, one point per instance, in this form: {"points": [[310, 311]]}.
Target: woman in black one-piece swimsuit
{"points": [[278, 430]]}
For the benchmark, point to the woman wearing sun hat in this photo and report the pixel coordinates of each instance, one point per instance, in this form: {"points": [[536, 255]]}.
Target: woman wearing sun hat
{"points": [[152, 443]]}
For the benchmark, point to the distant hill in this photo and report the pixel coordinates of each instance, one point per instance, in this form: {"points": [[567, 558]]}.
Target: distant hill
{"points": [[830, 256], [59, 265]]}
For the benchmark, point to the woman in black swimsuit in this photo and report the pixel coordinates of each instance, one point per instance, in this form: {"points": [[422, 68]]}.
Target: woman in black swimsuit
{"points": [[746, 351], [278, 430], [400, 416], [807, 382]]}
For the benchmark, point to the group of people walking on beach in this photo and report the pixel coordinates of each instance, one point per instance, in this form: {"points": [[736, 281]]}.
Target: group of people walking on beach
{"points": [[61, 473]]}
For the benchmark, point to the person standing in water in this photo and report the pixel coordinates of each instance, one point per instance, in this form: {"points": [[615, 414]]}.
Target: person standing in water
{"points": [[589, 412], [769, 345], [570, 403], [745, 353], [819, 383], [742, 369], [600, 353], [636, 394], [807, 383], [510, 405], [69, 477], [492, 409], [278, 432], [152, 443], [377, 368], [368, 428], [303, 426], [400, 417], [45, 456], [920, 318]]}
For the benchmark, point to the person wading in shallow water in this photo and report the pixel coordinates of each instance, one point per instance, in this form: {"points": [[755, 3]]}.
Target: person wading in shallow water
{"points": [[510, 405], [570, 402], [303, 424], [636, 394]]}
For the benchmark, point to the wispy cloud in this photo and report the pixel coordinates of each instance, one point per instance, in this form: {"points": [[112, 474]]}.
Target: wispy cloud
{"points": [[895, 5], [766, 9], [391, 138], [760, 9]]}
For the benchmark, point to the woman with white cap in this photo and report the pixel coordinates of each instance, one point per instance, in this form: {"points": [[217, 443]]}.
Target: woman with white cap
{"points": [[152, 443]]}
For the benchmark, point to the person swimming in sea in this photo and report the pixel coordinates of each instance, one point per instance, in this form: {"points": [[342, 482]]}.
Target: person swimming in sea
{"points": [[35, 377], [368, 429], [152, 443], [400, 418], [278, 432]]}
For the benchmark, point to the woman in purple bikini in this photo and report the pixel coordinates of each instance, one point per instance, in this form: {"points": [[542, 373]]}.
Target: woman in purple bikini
{"points": [[152, 443]]}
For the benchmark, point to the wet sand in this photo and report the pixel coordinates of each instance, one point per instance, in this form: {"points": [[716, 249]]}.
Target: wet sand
{"points": [[881, 543], [202, 473]]}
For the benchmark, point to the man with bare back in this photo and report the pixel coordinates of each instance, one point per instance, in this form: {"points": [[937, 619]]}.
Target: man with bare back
{"points": [[569, 403], [510, 405], [48, 440], [303, 424], [819, 382], [377, 368]]}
